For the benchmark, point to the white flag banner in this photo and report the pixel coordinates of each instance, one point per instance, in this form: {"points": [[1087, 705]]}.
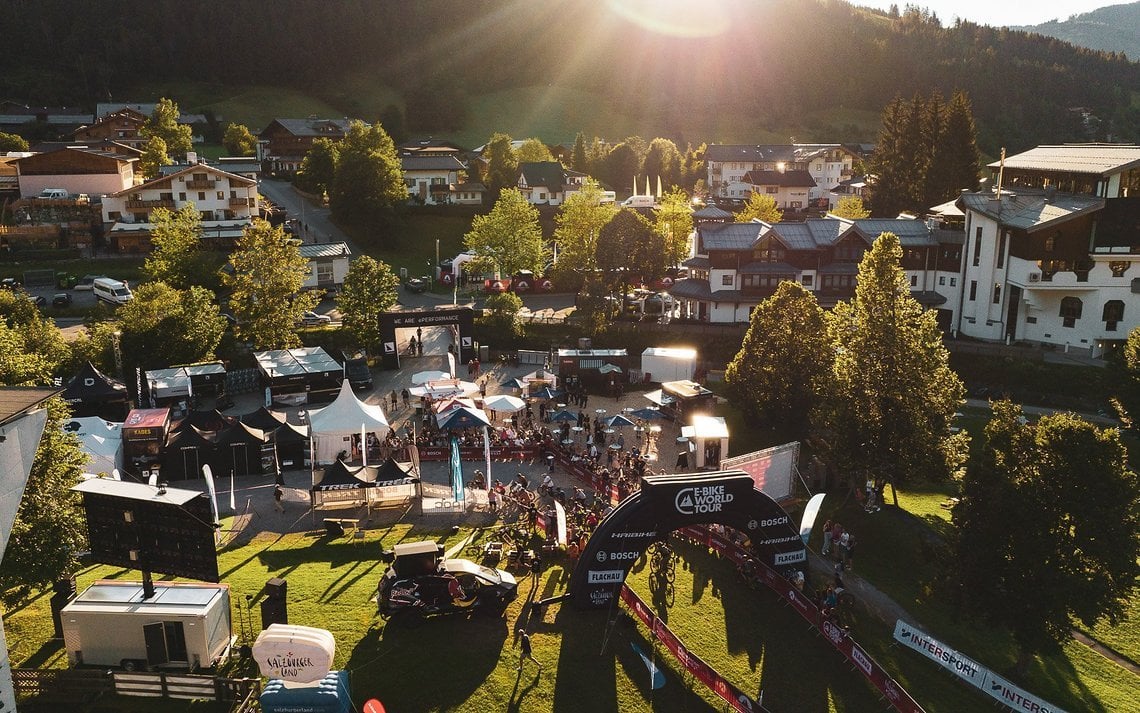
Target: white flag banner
{"points": [[451, 364], [487, 454], [811, 511], [560, 514], [209, 476], [233, 497]]}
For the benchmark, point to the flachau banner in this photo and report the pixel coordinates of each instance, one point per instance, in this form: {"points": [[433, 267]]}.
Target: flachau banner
{"points": [[971, 671]]}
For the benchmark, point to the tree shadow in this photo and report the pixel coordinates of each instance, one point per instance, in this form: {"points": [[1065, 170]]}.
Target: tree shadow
{"points": [[50, 649]]}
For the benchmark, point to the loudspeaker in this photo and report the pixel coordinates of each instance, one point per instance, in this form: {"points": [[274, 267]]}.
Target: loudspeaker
{"points": [[273, 611], [66, 586], [276, 588]]}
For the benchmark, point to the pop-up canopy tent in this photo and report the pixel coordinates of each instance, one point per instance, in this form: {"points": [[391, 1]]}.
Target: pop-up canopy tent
{"points": [[298, 376], [185, 381], [186, 451], [209, 421], [101, 441], [333, 426], [250, 450], [92, 393], [292, 445], [342, 485], [263, 419]]}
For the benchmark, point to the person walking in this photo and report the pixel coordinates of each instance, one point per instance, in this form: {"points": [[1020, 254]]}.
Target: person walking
{"points": [[278, 496], [526, 651], [826, 550]]}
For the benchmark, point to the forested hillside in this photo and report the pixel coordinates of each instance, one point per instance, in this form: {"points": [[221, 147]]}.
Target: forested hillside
{"points": [[765, 60], [1115, 28]]}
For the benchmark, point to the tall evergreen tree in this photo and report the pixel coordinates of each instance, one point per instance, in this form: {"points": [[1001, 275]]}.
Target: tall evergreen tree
{"points": [[889, 190], [893, 393], [955, 163], [578, 159], [933, 133], [780, 372]]}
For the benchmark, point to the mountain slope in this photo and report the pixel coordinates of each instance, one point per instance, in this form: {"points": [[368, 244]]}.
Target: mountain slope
{"points": [[1115, 28]]}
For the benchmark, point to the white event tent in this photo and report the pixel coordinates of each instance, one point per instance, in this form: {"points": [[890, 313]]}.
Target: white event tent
{"points": [[333, 426], [101, 441]]}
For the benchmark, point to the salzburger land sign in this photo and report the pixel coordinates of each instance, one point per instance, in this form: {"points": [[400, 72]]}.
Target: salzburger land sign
{"points": [[971, 671]]}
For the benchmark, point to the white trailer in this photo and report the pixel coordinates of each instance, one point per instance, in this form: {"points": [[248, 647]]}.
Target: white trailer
{"points": [[183, 626], [662, 364]]}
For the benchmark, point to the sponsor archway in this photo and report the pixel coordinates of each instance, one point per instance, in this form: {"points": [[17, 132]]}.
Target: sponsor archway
{"points": [[669, 502], [462, 319]]}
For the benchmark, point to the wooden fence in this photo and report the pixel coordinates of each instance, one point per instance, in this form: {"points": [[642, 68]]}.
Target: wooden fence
{"points": [[86, 685]]}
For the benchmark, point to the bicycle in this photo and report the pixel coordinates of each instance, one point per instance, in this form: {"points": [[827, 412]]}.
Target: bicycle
{"points": [[662, 561]]}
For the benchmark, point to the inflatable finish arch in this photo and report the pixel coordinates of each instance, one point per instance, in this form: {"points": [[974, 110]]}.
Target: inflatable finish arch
{"points": [[669, 502]]}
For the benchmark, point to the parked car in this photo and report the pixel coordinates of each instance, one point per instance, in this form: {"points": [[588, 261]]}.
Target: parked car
{"points": [[312, 319], [61, 299], [421, 583], [416, 285], [356, 370], [9, 283], [87, 282]]}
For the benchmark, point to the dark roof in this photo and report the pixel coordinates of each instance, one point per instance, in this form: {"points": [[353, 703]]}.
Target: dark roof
{"points": [[90, 384], [927, 298], [1030, 209], [430, 163], [187, 437], [390, 471], [767, 268], [17, 400], [240, 433], [911, 232], [795, 179], [809, 235], [743, 152], [699, 263], [712, 212], [945, 236], [264, 419], [205, 420], [291, 433], [546, 173], [694, 289], [335, 128], [731, 236], [339, 476]]}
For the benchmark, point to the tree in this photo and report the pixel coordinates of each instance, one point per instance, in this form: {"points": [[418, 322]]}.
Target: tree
{"points": [[154, 157], [318, 168], [239, 141], [662, 159], [32, 350], [955, 164], [850, 207], [177, 240], [12, 142], [163, 325], [504, 311], [780, 372], [619, 166], [508, 238], [163, 123], [893, 161], [760, 206], [49, 531], [578, 159], [1047, 530], [628, 246], [369, 290], [693, 168], [673, 220], [893, 395], [502, 165], [533, 151], [268, 273], [369, 179], [579, 221]]}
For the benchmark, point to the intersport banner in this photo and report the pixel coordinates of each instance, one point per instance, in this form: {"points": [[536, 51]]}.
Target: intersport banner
{"points": [[971, 671]]}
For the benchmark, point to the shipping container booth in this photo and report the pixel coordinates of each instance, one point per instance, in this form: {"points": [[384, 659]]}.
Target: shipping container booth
{"points": [[295, 377], [679, 399], [597, 369], [183, 626], [662, 364], [144, 434]]}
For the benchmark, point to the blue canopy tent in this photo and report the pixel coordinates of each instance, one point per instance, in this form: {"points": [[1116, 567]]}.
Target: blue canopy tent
{"points": [[647, 414], [454, 420], [618, 421], [564, 415]]}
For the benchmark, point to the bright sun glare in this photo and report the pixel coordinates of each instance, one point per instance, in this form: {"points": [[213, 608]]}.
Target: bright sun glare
{"points": [[676, 18]]}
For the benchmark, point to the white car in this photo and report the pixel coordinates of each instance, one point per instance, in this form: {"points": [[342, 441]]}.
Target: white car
{"points": [[312, 319]]}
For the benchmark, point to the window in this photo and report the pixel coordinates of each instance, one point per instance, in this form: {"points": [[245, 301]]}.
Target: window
{"points": [[973, 290], [997, 294], [166, 196], [771, 281], [769, 251], [849, 251], [114, 215], [221, 195], [914, 280], [838, 282], [977, 247], [1119, 267], [1050, 243], [1113, 313], [771, 189], [324, 274], [942, 280], [182, 196], [726, 280], [807, 280], [953, 281], [201, 195], [1001, 250], [1071, 311]]}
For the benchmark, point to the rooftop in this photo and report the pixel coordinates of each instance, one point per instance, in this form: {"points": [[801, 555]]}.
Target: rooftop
{"points": [[1030, 209], [1102, 159]]}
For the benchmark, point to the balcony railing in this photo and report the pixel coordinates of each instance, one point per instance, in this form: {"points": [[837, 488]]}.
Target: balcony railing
{"points": [[144, 205], [201, 185], [242, 202]]}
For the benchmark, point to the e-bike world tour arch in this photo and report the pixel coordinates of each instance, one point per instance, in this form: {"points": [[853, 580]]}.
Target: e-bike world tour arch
{"points": [[461, 318], [669, 502]]}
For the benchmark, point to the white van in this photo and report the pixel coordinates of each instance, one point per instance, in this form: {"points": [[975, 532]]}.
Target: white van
{"points": [[608, 198], [111, 291], [53, 193], [639, 202]]}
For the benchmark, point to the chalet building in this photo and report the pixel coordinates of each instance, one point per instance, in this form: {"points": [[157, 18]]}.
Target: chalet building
{"points": [[284, 142], [827, 164], [548, 183], [15, 117], [429, 177], [790, 189], [76, 170], [146, 109], [227, 202], [328, 264], [1049, 257], [466, 193], [735, 266], [431, 147], [121, 126]]}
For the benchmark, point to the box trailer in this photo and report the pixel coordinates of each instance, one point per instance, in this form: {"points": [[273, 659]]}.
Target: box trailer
{"points": [[183, 626], [662, 364]]}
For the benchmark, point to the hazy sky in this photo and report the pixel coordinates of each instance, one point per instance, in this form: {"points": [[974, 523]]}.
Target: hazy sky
{"points": [[998, 12]]}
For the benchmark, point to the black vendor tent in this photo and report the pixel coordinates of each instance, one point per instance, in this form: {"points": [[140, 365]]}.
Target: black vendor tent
{"points": [[92, 393], [206, 420], [186, 451], [264, 419], [245, 451], [292, 445], [392, 473]]}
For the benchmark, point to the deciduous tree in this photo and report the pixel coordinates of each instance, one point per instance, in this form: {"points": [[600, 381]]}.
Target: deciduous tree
{"points": [[163, 326], [154, 157], [369, 290], [502, 164], [50, 530], [369, 180], [1048, 527], [533, 151], [850, 207], [579, 221], [893, 394], [177, 241], [318, 168], [619, 166], [504, 311], [12, 142], [673, 220], [163, 123], [239, 141], [32, 350], [782, 368], [629, 247], [509, 237], [268, 273], [663, 159], [760, 206]]}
